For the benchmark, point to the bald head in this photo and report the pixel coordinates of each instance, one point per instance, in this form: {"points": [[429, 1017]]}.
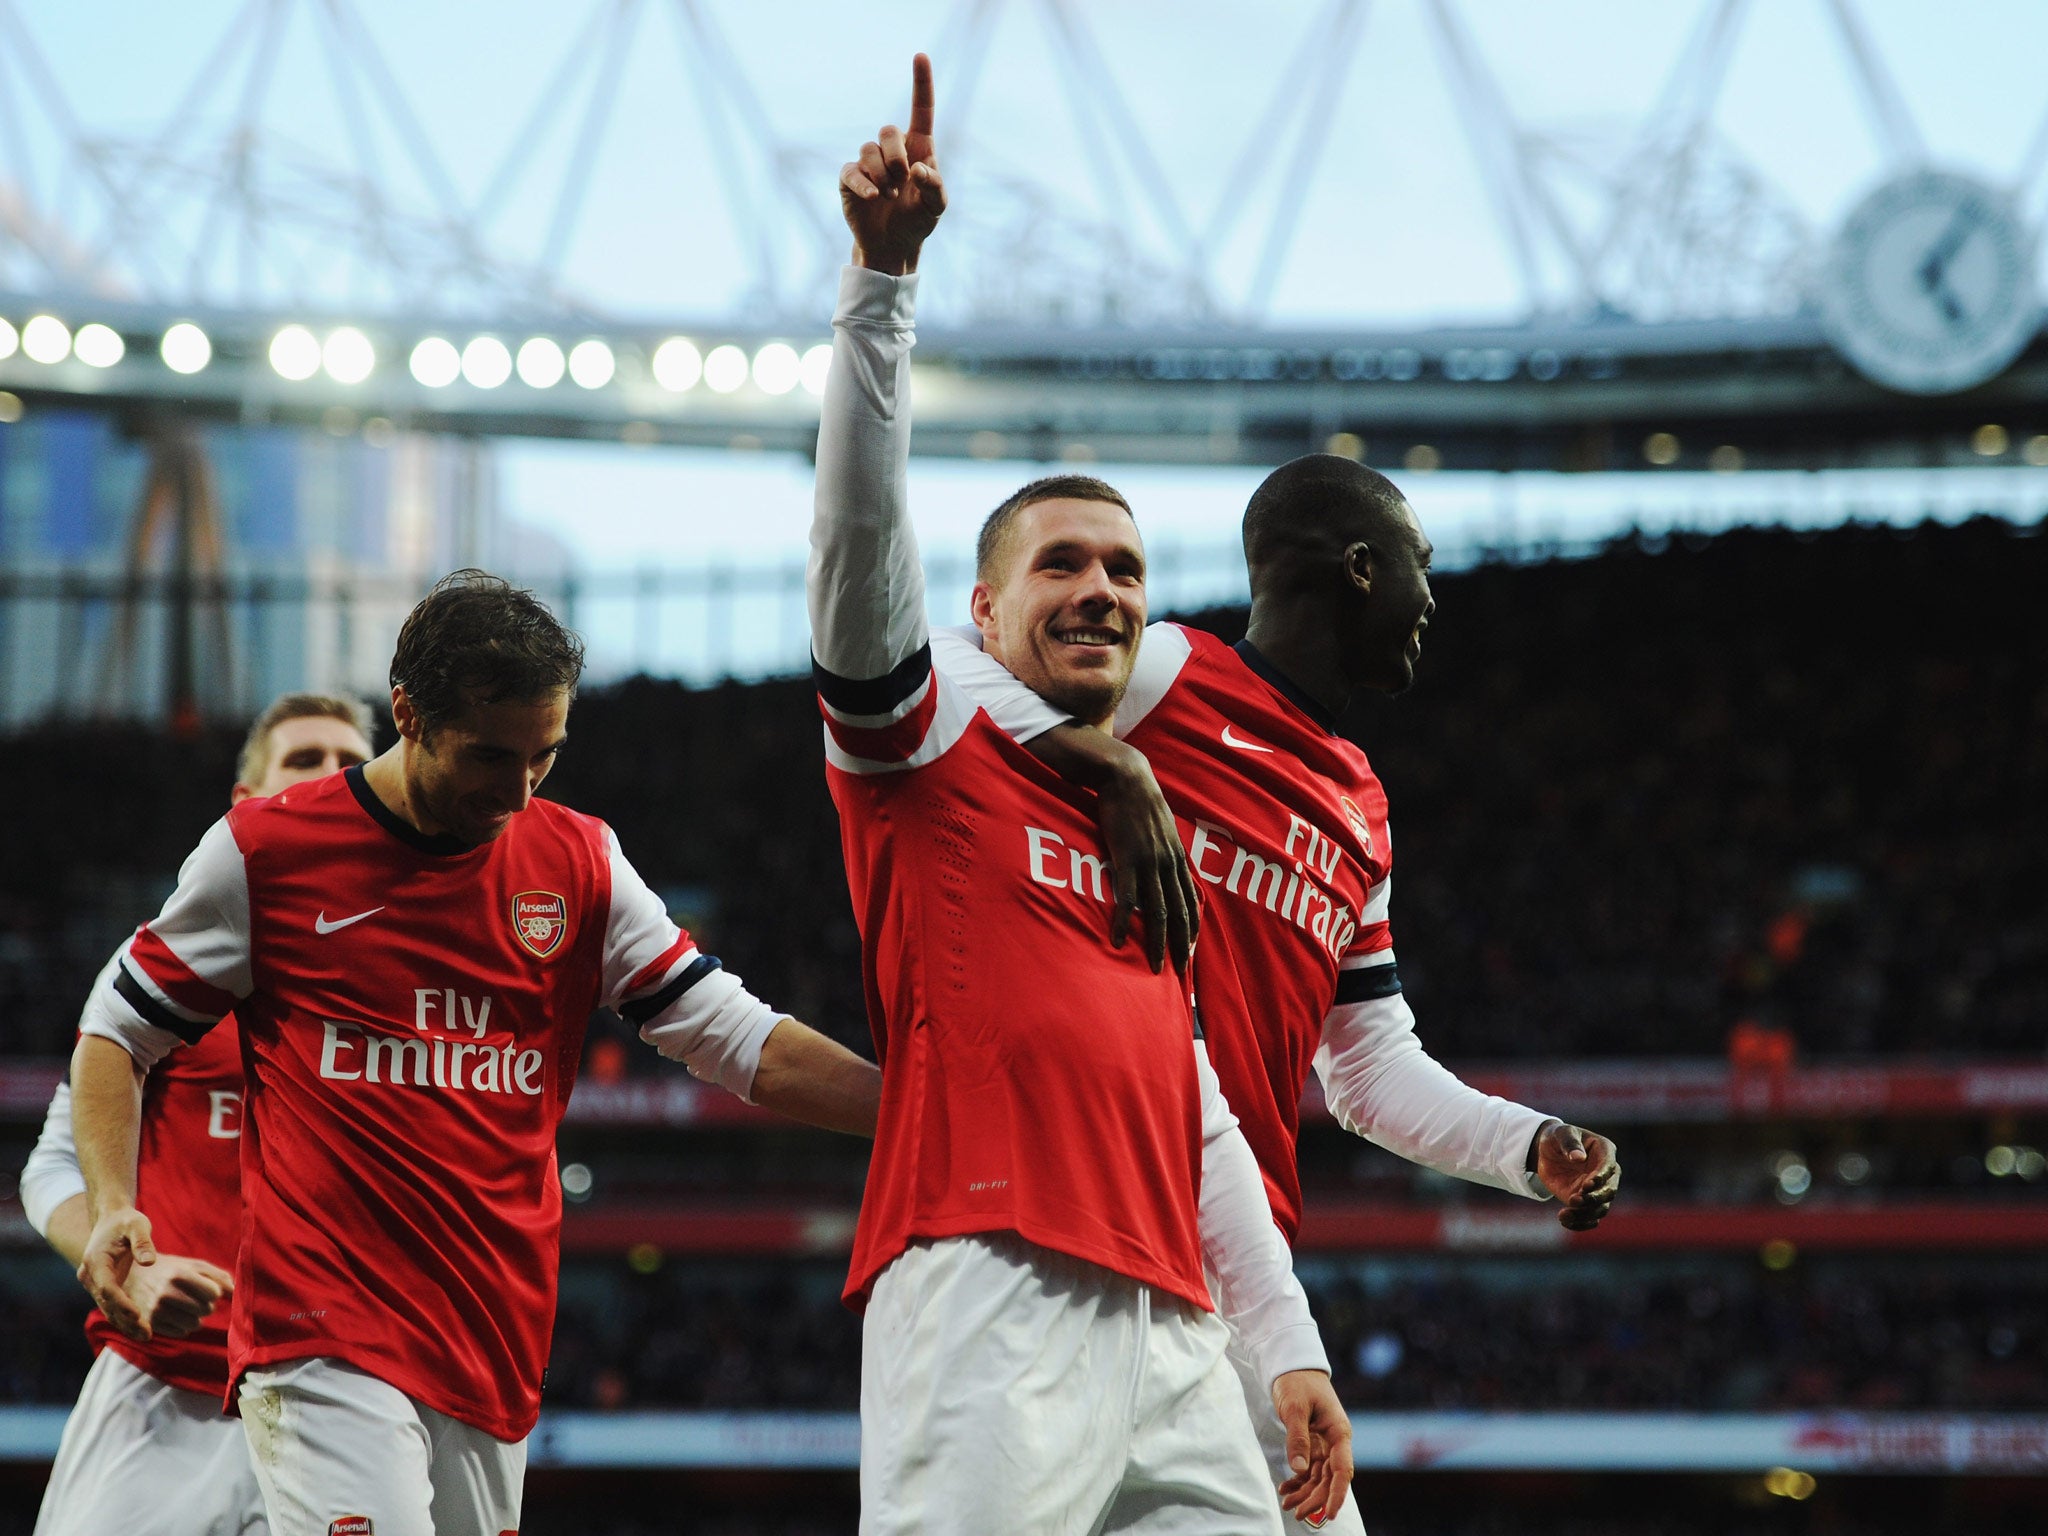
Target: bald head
{"points": [[1308, 511]]}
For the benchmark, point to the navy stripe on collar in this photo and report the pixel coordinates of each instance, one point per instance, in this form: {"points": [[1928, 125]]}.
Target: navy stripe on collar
{"points": [[442, 845], [1256, 660]]}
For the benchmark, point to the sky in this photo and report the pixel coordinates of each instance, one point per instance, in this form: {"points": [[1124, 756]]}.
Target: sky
{"points": [[706, 181]]}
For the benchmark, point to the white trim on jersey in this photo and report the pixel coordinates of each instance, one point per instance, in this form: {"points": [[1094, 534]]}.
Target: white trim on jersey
{"points": [[1017, 712], [1162, 653], [1377, 902], [1381, 1084], [951, 713], [1251, 1271], [685, 1005]]}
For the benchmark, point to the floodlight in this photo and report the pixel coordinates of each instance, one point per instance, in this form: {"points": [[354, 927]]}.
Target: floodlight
{"points": [[348, 355], [486, 363], [10, 339], [46, 339], [185, 348], [591, 364], [678, 364], [540, 363], [436, 363], [295, 353], [725, 370], [98, 346], [816, 364], [776, 368]]}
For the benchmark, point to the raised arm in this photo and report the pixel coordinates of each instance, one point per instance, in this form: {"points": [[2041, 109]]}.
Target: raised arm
{"points": [[865, 584]]}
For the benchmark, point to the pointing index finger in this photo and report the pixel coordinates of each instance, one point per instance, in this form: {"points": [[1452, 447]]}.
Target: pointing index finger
{"points": [[921, 95]]}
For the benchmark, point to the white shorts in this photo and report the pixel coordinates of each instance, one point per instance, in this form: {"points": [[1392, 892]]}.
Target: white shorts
{"points": [[334, 1446], [1258, 1402], [1005, 1387], [144, 1458]]}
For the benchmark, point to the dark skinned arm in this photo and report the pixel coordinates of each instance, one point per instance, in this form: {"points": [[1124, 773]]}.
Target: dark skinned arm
{"points": [[1151, 868]]}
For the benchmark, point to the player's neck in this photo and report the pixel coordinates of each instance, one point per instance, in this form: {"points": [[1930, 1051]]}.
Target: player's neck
{"points": [[385, 774], [1300, 651]]}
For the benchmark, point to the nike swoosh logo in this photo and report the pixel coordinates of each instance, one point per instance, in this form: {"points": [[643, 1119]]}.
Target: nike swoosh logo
{"points": [[321, 925], [1242, 746]]}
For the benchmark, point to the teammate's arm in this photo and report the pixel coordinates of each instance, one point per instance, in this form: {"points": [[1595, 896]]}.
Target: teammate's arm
{"points": [[1145, 852], [1381, 1084], [1257, 1291], [177, 978], [691, 1009], [173, 1295]]}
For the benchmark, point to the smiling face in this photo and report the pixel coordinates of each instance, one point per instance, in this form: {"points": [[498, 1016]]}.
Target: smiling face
{"points": [[1063, 606], [471, 775]]}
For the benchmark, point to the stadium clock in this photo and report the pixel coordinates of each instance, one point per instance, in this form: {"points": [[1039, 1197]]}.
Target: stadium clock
{"points": [[1929, 287]]}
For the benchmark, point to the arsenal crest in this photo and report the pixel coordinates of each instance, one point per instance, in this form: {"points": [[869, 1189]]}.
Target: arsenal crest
{"points": [[1356, 817], [540, 918]]}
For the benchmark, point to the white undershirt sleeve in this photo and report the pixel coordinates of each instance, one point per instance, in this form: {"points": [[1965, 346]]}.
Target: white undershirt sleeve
{"points": [[1381, 1084], [51, 1175], [1246, 1256], [683, 1002]]}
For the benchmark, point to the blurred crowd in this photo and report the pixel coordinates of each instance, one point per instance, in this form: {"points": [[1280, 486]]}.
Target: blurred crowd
{"points": [[1695, 1335], [1780, 788]]}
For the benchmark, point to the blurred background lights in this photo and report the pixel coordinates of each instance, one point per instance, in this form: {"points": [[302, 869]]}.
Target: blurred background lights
{"points": [[185, 348], [1789, 1484], [435, 362], [486, 362], [2000, 1162], [540, 363], [10, 407], [295, 353], [1990, 440], [576, 1181], [777, 368], [99, 346], [1852, 1167], [817, 363], [591, 364], [1660, 448], [1794, 1177], [10, 339], [725, 370], [678, 364], [348, 355], [46, 339]]}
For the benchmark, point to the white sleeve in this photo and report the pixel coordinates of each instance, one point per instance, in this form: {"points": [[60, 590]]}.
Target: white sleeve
{"points": [[188, 966], [684, 1003], [865, 585], [1018, 712], [1381, 1084], [51, 1175], [1245, 1253]]}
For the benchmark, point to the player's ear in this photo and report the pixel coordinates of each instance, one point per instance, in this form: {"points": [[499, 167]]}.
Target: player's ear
{"points": [[1358, 565], [981, 606], [240, 793], [405, 717]]}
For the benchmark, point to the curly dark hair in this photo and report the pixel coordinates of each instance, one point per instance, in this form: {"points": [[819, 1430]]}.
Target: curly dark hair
{"points": [[477, 639]]}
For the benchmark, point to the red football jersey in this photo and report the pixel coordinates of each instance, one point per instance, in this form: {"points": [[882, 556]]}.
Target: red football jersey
{"points": [[412, 1010], [188, 1179], [1293, 856], [1033, 1079]]}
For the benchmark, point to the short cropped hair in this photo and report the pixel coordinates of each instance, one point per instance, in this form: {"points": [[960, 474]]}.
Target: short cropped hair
{"points": [[995, 533], [255, 759], [1313, 506], [477, 639]]}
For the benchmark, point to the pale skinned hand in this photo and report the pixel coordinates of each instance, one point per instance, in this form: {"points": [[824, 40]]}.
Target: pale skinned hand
{"points": [[119, 1244], [1581, 1170], [177, 1293], [1318, 1445], [892, 195]]}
